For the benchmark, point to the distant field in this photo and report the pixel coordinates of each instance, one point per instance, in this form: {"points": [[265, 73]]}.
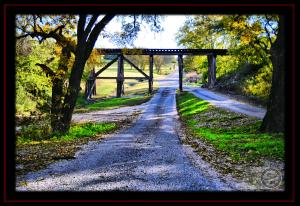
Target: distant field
{"points": [[107, 87]]}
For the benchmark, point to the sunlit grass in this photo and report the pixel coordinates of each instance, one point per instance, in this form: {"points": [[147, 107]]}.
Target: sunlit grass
{"points": [[233, 133], [117, 102], [109, 103], [35, 135]]}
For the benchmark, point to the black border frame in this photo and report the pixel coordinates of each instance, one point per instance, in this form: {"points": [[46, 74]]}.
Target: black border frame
{"points": [[10, 196]]}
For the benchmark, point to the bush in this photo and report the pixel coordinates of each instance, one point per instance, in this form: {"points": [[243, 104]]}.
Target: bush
{"points": [[35, 132], [259, 84]]}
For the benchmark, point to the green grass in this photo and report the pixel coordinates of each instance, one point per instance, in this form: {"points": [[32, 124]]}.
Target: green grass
{"points": [[111, 103], [236, 134], [107, 87], [85, 130], [76, 131]]}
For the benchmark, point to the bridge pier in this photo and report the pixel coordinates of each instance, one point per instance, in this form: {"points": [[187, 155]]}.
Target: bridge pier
{"points": [[180, 69], [150, 80], [90, 86], [120, 76], [211, 70]]}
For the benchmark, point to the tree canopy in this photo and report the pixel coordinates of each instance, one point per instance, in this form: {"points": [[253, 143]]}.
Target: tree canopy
{"points": [[248, 39]]}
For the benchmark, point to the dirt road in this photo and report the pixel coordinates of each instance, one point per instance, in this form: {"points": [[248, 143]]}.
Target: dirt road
{"points": [[145, 157]]}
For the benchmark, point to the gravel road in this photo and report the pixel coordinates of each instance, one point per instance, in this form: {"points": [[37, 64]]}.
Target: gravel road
{"points": [[145, 157], [222, 101]]}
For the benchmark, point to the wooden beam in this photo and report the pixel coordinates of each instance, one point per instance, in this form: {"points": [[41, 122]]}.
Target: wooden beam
{"points": [[126, 51], [90, 85], [211, 70], [94, 92], [106, 66], [138, 78], [90, 88], [150, 80], [132, 64], [180, 70], [120, 76]]}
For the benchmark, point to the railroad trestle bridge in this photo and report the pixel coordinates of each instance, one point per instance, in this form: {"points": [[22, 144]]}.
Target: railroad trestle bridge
{"points": [[119, 53]]}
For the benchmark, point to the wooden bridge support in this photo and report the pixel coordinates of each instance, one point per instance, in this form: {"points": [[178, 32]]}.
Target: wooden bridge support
{"points": [[211, 70], [120, 76], [180, 69], [150, 74], [90, 87]]}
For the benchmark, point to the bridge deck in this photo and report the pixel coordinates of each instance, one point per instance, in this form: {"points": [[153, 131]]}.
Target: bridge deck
{"points": [[164, 51]]}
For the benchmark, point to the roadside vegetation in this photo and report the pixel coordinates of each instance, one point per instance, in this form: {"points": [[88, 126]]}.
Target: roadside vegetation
{"points": [[235, 134], [110, 103], [35, 150], [247, 70], [35, 134]]}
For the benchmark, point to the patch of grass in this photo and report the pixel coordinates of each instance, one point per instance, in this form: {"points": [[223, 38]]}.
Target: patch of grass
{"points": [[190, 105], [236, 134], [113, 103], [85, 130], [76, 131]]}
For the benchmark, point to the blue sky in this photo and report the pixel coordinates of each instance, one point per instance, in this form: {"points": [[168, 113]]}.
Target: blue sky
{"points": [[146, 38]]}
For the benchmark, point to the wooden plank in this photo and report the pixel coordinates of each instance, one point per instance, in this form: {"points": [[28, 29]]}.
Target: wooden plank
{"points": [[150, 80], [90, 88], [164, 51], [120, 76], [211, 70], [106, 66], [132, 64], [180, 70]]}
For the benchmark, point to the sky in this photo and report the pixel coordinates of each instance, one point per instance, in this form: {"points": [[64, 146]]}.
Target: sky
{"points": [[147, 38]]}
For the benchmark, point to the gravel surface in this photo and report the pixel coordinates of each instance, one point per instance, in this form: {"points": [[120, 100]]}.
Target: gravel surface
{"points": [[223, 101], [145, 157], [112, 115]]}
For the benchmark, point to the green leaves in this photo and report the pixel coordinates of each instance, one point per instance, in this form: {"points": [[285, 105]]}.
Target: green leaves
{"points": [[248, 39], [33, 87]]}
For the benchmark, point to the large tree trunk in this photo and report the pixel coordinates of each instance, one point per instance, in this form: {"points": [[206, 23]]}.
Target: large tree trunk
{"points": [[57, 90], [56, 104], [274, 120], [72, 93], [57, 87]]}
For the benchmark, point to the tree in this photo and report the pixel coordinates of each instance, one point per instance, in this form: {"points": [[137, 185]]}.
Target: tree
{"points": [[88, 30], [33, 88], [253, 39], [158, 62], [275, 116], [140, 60]]}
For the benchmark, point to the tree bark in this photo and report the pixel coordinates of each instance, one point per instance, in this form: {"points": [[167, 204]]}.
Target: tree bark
{"points": [[274, 120], [57, 90], [57, 78]]}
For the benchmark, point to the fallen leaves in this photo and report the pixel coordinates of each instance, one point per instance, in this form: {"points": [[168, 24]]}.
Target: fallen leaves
{"points": [[37, 156]]}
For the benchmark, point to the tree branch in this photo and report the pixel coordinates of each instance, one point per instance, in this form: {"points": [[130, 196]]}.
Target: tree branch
{"points": [[89, 26], [47, 70], [95, 33], [266, 29], [52, 34], [80, 27]]}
